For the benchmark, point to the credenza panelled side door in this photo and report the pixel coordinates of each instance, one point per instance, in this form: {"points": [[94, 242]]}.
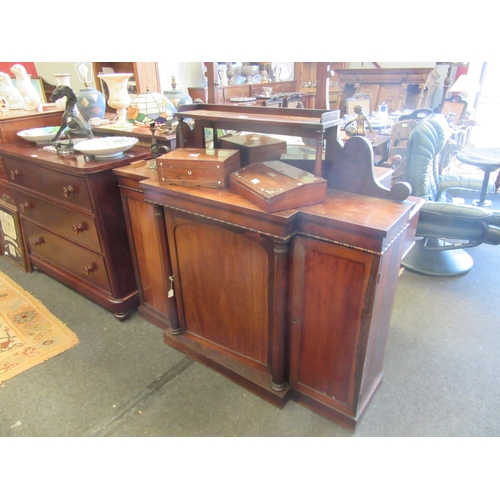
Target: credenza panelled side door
{"points": [[331, 305]]}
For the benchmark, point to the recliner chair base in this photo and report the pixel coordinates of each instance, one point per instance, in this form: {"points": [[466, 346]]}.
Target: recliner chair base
{"points": [[437, 262]]}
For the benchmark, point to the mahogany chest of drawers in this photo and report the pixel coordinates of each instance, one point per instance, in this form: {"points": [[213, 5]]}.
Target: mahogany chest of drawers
{"points": [[72, 218]]}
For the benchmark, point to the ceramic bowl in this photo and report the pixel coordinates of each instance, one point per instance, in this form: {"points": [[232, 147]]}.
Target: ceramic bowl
{"points": [[41, 135], [106, 147]]}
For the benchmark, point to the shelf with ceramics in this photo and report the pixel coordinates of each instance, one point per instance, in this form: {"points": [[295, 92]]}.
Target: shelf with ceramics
{"points": [[226, 81]]}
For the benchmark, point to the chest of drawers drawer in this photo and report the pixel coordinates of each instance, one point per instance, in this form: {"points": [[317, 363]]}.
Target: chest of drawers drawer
{"points": [[80, 262], [66, 222], [57, 185]]}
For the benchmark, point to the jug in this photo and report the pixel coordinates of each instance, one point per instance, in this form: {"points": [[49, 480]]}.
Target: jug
{"points": [[382, 115]]}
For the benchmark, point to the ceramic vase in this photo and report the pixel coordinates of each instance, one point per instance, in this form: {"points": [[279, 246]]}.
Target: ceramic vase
{"points": [[63, 79], [119, 97], [249, 72], [91, 103], [177, 97]]}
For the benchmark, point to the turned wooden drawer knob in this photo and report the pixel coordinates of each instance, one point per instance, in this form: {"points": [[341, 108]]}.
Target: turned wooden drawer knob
{"points": [[14, 173], [67, 191], [37, 242], [78, 228], [88, 269], [25, 206]]}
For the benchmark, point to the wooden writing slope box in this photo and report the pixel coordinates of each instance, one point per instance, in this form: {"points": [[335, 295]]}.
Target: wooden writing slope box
{"points": [[197, 167], [255, 147], [275, 186]]}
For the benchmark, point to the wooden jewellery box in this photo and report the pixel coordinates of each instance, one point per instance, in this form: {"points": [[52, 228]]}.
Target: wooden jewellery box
{"points": [[275, 186], [197, 167], [254, 147]]}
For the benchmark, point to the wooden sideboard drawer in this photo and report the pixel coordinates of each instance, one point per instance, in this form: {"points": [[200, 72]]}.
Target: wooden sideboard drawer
{"points": [[59, 186], [82, 263], [66, 222]]}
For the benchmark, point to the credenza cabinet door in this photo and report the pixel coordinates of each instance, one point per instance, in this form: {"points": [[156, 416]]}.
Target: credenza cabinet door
{"points": [[331, 303]]}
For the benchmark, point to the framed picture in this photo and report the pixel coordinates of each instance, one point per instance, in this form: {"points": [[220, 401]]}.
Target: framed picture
{"points": [[11, 238], [361, 100], [38, 84]]}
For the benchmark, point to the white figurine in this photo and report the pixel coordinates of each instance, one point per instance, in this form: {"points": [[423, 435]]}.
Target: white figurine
{"points": [[9, 92], [30, 95]]}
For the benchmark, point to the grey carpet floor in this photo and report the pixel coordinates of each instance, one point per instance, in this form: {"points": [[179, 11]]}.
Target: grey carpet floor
{"points": [[442, 375], [441, 383]]}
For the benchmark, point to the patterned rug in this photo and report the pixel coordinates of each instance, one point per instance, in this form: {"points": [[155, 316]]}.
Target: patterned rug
{"points": [[29, 333]]}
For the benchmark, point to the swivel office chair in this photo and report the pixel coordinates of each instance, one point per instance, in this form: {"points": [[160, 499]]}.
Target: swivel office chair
{"points": [[440, 221]]}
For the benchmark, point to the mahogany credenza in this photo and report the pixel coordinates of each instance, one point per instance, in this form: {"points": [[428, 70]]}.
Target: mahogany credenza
{"points": [[72, 219], [292, 304]]}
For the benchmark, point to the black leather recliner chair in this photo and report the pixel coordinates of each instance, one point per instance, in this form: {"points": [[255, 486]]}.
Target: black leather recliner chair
{"points": [[440, 220]]}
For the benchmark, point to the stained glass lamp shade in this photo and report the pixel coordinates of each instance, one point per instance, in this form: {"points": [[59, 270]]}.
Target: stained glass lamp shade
{"points": [[151, 107]]}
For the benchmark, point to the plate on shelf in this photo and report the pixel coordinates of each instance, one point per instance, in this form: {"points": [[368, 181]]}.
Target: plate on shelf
{"points": [[42, 135], [242, 99], [286, 69], [106, 147]]}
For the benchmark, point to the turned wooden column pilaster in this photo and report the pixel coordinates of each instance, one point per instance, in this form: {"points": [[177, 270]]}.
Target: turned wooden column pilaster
{"points": [[280, 317], [173, 318]]}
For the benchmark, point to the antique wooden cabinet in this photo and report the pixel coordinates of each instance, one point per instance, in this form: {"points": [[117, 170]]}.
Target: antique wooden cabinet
{"points": [[399, 88], [72, 216], [295, 303], [223, 95]]}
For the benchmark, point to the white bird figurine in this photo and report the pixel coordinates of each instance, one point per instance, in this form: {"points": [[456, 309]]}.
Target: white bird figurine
{"points": [[9, 92], [32, 100]]}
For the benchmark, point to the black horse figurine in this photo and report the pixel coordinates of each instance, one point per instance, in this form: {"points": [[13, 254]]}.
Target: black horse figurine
{"points": [[72, 125]]}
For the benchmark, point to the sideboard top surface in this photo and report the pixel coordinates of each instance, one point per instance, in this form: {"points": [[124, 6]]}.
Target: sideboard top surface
{"points": [[77, 163], [372, 217]]}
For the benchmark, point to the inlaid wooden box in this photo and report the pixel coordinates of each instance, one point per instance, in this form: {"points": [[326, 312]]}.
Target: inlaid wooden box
{"points": [[275, 186], [197, 167], [254, 148]]}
